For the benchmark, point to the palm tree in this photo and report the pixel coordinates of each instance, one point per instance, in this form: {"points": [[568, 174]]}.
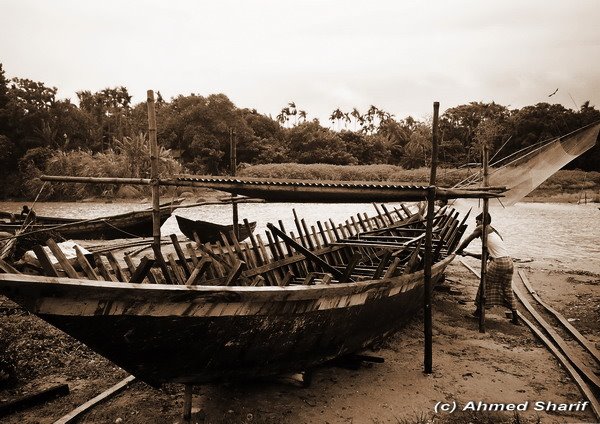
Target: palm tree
{"points": [[346, 119], [336, 116], [302, 115], [357, 117]]}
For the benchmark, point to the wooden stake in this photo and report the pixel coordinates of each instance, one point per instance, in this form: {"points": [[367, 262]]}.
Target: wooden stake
{"points": [[154, 173], [484, 235], [431, 192], [233, 165]]}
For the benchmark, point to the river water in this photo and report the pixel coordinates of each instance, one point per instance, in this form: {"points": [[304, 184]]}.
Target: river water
{"points": [[562, 235]]}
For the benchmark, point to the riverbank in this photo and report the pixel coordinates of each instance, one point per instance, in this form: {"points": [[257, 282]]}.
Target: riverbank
{"points": [[507, 364]]}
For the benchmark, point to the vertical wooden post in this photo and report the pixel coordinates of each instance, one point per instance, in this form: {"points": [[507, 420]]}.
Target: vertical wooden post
{"points": [[484, 235], [431, 194], [154, 171], [233, 164], [187, 402]]}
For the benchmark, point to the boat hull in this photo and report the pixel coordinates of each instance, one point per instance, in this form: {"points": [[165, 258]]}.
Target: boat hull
{"points": [[209, 232], [199, 334], [133, 224]]}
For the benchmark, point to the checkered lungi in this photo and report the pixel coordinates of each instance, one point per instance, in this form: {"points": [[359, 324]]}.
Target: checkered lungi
{"points": [[498, 284]]}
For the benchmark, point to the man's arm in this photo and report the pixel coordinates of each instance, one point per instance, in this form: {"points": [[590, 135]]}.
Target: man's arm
{"points": [[476, 233]]}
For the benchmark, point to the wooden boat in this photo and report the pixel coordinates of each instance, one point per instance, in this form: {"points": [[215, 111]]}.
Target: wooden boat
{"points": [[209, 232], [125, 225], [245, 310]]}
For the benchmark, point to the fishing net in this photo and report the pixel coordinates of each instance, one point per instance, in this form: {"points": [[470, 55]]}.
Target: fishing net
{"points": [[526, 169]]}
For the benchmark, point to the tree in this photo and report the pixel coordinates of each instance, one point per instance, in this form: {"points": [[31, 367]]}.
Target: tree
{"points": [[111, 109], [311, 143]]}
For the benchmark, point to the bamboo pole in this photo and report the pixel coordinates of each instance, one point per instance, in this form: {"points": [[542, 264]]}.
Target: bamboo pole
{"points": [[154, 171], [431, 195], [233, 163], [484, 235]]}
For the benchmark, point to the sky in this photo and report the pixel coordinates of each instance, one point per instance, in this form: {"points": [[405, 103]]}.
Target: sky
{"points": [[400, 55]]}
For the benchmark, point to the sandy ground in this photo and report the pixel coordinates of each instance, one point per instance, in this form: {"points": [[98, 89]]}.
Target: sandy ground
{"points": [[506, 364]]}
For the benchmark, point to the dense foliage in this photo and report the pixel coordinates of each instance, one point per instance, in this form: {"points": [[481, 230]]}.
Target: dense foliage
{"points": [[105, 134]]}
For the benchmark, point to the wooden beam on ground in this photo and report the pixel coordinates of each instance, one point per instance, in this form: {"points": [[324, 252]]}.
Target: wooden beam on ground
{"points": [[33, 399], [574, 332], [71, 416]]}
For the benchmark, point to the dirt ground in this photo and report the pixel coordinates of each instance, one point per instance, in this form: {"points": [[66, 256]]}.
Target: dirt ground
{"points": [[506, 364]]}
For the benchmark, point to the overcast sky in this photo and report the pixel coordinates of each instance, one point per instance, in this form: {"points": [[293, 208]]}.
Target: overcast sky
{"points": [[400, 56]]}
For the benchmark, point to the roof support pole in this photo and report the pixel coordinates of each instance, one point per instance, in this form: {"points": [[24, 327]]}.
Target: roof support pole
{"points": [[431, 194], [154, 181]]}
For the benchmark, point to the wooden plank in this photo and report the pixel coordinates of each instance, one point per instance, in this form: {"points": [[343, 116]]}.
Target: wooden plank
{"points": [[574, 332], [413, 262], [237, 248], [160, 260], [192, 253], [356, 226], [130, 265], [327, 279], [311, 245], [85, 265], [33, 399], [235, 273], [259, 281], [71, 416], [272, 248], [227, 249], [309, 279], [297, 222], [114, 264], [273, 274], [198, 271], [307, 253], [62, 259], [383, 221], [323, 234], [44, 260], [102, 269], [289, 276], [259, 260], [398, 213], [142, 270], [368, 221], [406, 210], [384, 260], [335, 233], [154, 276], [392, 268], [362, 223], [354, 260], [182, 259], [180, 278], [8, 268], [315, 237]]}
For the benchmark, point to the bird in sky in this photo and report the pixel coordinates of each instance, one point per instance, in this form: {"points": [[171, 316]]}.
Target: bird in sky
{"points": [[550, 95]]}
